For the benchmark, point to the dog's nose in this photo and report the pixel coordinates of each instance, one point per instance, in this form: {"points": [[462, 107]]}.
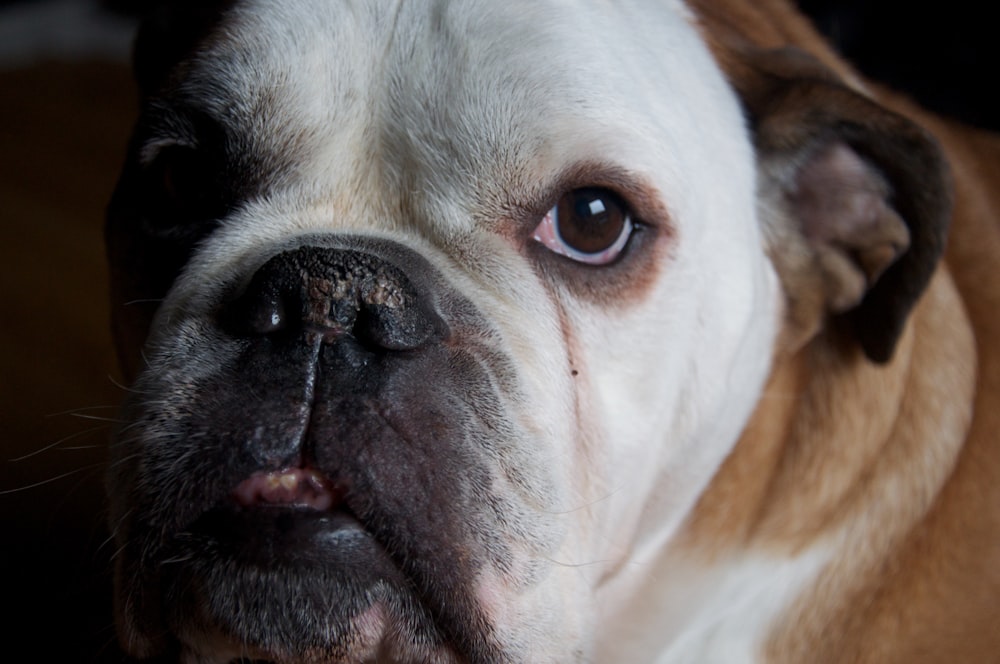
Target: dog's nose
{"points": [[329, 294]]}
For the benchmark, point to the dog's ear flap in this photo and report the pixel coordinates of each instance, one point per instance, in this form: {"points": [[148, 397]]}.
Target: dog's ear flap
{"points": [[171, 30], [865, 192]]}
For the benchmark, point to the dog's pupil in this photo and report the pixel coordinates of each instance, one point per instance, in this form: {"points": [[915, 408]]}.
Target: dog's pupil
{"points": [[184, 177], [590, 220]]}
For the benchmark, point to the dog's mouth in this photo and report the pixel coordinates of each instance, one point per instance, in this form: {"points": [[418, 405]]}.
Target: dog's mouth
{"points": [[277, 513], [292, 516], [371, 556], [303, 488], [284, 570]]}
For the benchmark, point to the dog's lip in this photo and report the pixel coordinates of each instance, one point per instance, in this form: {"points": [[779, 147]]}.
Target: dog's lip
{"points": [[276, 530], [286, 515], [299, 539], [304, 488], [283, 556]]}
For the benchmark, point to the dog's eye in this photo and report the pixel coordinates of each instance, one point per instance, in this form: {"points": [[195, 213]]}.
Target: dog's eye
{"points": [[588, 225], [181, 187]]}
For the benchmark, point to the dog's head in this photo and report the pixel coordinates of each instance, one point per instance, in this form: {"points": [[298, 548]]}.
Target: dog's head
{"points": [[432, 307]]}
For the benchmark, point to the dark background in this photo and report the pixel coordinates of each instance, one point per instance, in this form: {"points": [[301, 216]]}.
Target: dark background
{"points": [[63, 126], [945, 55]]}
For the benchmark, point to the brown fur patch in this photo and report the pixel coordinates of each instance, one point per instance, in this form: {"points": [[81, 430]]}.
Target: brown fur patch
{"points": [[894, 467]]}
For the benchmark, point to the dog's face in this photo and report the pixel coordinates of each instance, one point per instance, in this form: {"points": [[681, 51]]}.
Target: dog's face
{"points": [[452, 300]]}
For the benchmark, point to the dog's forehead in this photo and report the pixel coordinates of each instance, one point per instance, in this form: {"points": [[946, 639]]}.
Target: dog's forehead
{"points": [[461, 106]]}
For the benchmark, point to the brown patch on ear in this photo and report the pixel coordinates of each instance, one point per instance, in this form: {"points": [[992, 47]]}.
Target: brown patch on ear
{"points": [[860, 194]]}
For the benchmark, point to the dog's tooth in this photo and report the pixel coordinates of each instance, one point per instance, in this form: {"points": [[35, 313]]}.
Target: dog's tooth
{"points": [[314, 481], [320, 495], [288, 480], [291, 486]]}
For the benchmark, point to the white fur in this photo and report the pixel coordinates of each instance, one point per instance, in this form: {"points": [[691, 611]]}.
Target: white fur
{"points": [[681, 610], [419, 132]]}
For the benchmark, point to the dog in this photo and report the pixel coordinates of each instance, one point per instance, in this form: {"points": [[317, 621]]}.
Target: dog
{"points": [[535, 331]]}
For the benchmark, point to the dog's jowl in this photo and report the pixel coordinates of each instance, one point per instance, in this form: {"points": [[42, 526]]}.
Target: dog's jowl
{"points": [[532, 331]]}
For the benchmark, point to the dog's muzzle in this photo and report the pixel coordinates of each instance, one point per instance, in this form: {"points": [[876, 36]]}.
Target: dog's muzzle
{"points": [[312, 468], [334, 320]]}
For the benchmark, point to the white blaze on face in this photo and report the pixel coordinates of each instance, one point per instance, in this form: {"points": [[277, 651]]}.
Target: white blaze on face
{"points": [[421, 122]]}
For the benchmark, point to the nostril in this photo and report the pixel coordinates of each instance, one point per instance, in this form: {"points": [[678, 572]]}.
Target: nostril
{"points": [[330, 295], [260, 310], [382, 328], [267, 315]]}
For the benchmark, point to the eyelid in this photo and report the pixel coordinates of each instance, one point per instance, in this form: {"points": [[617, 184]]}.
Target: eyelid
{"points": [[154, 148], [635, 189]]}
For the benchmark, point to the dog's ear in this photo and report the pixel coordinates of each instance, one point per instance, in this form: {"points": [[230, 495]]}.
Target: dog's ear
{"points": [[170, 31], [856, 199]]}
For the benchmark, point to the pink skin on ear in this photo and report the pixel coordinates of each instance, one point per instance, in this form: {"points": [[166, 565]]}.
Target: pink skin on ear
{"points": [[842, 203]]}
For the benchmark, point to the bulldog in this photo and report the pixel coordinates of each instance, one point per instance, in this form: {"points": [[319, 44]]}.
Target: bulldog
{"points": [[536, 331]]}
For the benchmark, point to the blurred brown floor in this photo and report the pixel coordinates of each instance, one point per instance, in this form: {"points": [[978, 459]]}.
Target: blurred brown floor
{"points": [[63, 129]]}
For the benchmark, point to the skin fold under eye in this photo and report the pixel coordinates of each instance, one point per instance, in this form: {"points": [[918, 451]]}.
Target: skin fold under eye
{"points": [[588, 225]]}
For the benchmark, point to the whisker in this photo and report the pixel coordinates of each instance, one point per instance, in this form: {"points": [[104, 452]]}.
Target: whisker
{"points": [[124, 459], [59, 442], [566, 565], [114, 533], [117, 552], [156, 300], [96, 418], [50, 480], [77, 411], [117, 383], [607, 495], [111, 644]]}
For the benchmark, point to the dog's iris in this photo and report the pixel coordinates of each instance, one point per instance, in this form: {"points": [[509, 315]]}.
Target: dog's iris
{"points": [[589, 225]]}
